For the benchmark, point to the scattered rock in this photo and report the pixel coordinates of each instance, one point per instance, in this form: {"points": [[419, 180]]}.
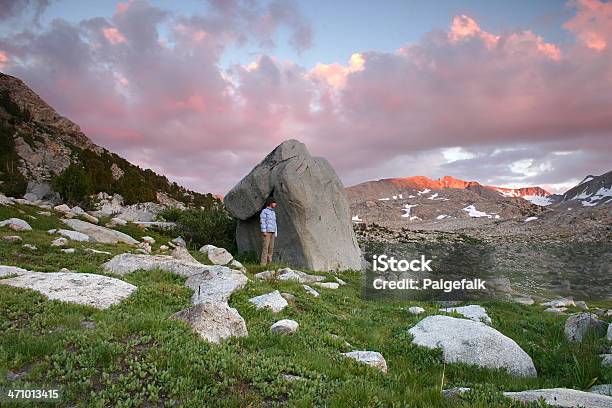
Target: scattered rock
{"points": [[30, 247], [578, 325], [52, 231], [416, 310], [471, 342], [128, 263], [44, 213], [288, 296], [74, 235], [144, 247], [319, 238], [62, 208], [148, 239], [69, 250], [214, 321], [292, 378], [61, 241], [603, 389], [311, 291], [476, 313], [117, 222], [12, 238], [563, 302], [83, 288], [327, 285], [179, 241], [182, 254], [284, 326], [581, 304], [11, 270], [16, 224], [78, 211], [163, 247], [562, 397], [90, 218], [288, 274], [218, 256], [272, 300], [609, 335], [371, 358], [215, 284], [340, 281], [100, 234]]}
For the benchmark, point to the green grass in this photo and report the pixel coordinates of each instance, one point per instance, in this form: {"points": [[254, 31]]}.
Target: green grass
{"points": [[137, 356]]}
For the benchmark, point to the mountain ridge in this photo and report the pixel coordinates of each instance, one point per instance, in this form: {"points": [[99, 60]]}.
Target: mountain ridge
{"points": [[38, 146]]}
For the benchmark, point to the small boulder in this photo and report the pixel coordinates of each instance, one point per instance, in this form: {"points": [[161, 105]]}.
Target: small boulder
{"points": [[527, 301], [163, 247], [148, 239], [288, 274], [78, 211], [311, 291], [218, 256], [371, 358], [272, 300], [557, 310], [61, 241], [90, 218], [562, 397], [214, 321], [12, 239], [74, 235], [179, 241], [30, 247], [182, 254], [327, 285], [340, 281], [606, 360], [69, 250], [416, 310], [563, 302], [578, 325], [476, 313], [62, 208], [470, 342], [284, 326], [100, 234], [16, 224], [581, 304]]}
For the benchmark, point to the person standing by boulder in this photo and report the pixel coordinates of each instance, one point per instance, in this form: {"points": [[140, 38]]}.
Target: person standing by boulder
{"points": [[268, 229]]}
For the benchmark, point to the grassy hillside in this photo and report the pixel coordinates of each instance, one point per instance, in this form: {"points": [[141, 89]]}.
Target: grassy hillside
{"points": [[133, 355]]}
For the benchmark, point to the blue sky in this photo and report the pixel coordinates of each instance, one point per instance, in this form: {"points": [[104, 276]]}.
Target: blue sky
{"points": [[341, 28]]}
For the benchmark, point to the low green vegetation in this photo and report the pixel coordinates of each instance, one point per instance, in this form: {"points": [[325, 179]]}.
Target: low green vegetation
{"points": [[203, 226], [134, 355]]}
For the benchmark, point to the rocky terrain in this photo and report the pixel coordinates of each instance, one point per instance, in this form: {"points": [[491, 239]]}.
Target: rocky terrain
{"points": [[126, 315]]}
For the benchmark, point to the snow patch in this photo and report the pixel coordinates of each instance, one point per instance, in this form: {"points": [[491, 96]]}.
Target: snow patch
{"points": [[356, 219], [432, 197], [443, 216], [407, 209], [424, 191], [538, 200], [473, 212], [530, 219]]}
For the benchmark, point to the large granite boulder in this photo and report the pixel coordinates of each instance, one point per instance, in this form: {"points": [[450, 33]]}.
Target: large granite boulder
{"points": [[100, 234], [82, 288], [470, 342], [313, 218]]}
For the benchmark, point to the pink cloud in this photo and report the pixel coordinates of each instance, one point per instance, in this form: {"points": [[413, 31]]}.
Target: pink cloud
{"points": [[593, 23], [169, 105], [3, 59], [113, 35]]}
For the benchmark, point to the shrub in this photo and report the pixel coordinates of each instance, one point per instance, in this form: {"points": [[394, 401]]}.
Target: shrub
{"points": [[204, 226], [73, 184]]}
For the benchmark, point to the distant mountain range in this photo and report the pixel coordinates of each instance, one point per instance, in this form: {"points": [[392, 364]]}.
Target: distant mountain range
{"points": [[38, 146], [400, 201]]}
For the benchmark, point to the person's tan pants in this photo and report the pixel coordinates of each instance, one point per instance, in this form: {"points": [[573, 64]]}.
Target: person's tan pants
{"points": [[267, 248]]}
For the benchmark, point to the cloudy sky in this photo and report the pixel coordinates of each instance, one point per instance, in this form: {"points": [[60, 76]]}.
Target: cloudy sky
{"points": [[507, 93]]}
